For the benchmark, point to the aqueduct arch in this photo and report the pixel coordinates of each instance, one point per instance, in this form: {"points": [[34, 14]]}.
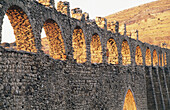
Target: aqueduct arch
{"points": [[112, 53], [138, 56], [96, 49], [160, 60], [126, 57], [79, 45], [129, 102], [22, 29], [165, 60], [148, 57], [162, 55], [155, 58], [55, 40]]}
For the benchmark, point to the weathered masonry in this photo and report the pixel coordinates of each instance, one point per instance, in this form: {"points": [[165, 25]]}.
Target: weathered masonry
{"points": [[90, 64]]}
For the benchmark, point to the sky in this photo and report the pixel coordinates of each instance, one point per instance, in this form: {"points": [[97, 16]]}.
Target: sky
{"points": [[100, 8]]}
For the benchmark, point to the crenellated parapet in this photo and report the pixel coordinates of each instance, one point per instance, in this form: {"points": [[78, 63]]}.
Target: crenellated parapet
{"points": [[64, 7], [48, 3], [111, 26], [77, 14], [63, 27], [101, 22]]}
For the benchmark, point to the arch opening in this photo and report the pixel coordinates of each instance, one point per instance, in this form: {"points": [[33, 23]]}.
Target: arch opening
{"points": [[160, 64], [129, 103], [138, 56], [155, 58], [96, 49], [79, 45], [112, 53], [55, 40], [165, 61], [24, 38], [7, 31], [126, 58], [162, 59], [148, 57]]}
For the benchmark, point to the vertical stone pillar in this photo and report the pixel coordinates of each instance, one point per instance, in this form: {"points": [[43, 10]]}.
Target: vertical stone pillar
{"points": [[64, 7], [48, 3], [137, 35], [86, 15], [117, 27], [101, 22], [111, 26], [125, 29], [77, 14]]}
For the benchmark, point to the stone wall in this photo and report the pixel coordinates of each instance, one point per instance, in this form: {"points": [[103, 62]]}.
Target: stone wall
{"points": [[38, 81]]}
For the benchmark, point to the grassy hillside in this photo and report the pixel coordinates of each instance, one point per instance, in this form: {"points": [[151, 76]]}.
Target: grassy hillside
{"points": [[151, 19]]}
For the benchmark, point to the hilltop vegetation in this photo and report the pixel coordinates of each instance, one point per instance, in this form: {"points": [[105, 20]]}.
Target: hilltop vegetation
{"points": [[151, 19]]}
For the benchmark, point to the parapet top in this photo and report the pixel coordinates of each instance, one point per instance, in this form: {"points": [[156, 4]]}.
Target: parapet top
{"points": [[76, 10]]}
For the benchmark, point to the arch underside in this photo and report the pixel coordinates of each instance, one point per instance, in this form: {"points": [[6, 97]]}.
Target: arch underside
{"points": [[112, 53], [148, 57], [126, 58], [22, 29], [129, 103], [55, 40], [160, 60], [79, 45], [138, 56], [165, 61], [155, 58], [96, 49]]}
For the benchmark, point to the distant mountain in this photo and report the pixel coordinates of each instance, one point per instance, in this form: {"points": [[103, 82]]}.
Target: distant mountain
{"points": [[152, 20]]}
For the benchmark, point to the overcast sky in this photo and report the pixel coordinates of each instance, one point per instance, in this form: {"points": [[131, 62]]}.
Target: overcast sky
{"points": [[95, 8]]}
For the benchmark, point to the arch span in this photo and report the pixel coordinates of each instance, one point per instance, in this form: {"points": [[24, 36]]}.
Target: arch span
{"points": [[155, 58], [126, 58], [162, 59], [129, 102], [112, 53], [22, 29], [55, 40], [148, 57], [165, 61], [138, 56], [79, 45], [96, 49]]}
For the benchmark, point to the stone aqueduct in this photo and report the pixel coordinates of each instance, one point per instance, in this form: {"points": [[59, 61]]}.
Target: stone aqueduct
{"points": [[89, 66]]}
